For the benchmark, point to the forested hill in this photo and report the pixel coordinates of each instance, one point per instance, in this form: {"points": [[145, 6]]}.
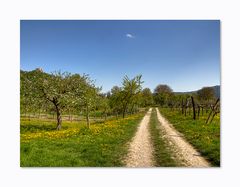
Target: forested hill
{"points": [[215, 88]]}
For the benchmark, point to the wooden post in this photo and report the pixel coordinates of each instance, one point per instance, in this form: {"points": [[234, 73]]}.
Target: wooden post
{"points": [[193, 105], [185, 108], [198, 110], [182, 106], [213, 110]]}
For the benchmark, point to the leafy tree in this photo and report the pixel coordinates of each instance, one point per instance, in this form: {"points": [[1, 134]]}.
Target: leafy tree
{"points": [[206, 94], [85, 94], [103, 104], [163, 88], [63, 92], [163, 94], [147, 97], [29, 97], [131, 88], [24, 93], [114, 99], [122, 98], [56, 89], [89, 100]]}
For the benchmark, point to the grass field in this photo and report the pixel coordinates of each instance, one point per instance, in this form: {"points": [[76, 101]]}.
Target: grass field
{"points": [[162, 151], [204, 137], [103, 145]]}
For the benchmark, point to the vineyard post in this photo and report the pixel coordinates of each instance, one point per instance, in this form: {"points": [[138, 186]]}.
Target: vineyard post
{"points": [[198, 110], [185, 108], [182, 106], [193, 105], [213, 110]]}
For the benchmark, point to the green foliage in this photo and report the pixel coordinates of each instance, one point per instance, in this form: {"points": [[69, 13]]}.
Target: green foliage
{"points": [[56, 88], [103, 103], [163, 95], [86, 94], [63, 92], [30, 100], [163, 88], [57, 92], [206, 138], [114, 99], [206, 94], [146, 97], [126, 97]]}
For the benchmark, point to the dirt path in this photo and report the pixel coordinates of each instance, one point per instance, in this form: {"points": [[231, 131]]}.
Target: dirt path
{"points": [[140, 152], [183, 150]]}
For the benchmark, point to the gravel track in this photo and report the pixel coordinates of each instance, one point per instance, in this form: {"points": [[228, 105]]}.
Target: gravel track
{"points": [[141, 150], [183, 150]]}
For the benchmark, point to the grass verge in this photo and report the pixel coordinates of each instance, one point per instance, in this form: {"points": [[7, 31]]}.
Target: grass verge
{"points": [[103, 145], [162, 151], [204, 137]]}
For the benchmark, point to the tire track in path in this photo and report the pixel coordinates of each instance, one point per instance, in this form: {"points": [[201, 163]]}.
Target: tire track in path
{"points": [[141, 150]]}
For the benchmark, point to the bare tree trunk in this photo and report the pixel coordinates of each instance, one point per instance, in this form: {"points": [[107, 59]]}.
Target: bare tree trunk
{"points": [[94, 114], [132, 109], [105, 117], [87, 116], [124, 111], [39, 114], [25, 111], [59, 119], [69, 115], [29, 116]]}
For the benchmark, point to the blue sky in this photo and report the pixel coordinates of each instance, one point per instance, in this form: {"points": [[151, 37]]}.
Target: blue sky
{"points": [[183, 54]]}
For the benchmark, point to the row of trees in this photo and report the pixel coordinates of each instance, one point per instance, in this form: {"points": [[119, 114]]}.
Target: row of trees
{"points": [[60, 92], [195, 102], [130, 96], [164, 96]]}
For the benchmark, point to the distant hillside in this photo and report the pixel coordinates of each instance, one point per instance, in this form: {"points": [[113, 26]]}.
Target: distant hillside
{"points": [[216, 91]]}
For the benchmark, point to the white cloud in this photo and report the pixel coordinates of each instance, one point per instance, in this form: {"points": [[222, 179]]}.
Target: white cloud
{"points": [[128, 35]]}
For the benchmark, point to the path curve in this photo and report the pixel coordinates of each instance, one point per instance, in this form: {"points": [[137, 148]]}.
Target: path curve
{"points": [[184, 151], [141, 150]]}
